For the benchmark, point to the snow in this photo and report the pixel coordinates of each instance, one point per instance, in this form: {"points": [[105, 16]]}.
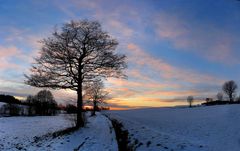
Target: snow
{"points": [[1, 104], [19, 133], [98, 135], [212, 128]]}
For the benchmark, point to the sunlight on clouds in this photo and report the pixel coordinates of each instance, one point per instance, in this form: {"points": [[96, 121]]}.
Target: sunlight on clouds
{"points": [[139, 102], [166, 70]]}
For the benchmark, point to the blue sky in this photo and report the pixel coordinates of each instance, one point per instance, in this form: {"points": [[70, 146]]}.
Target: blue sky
{"points": [[175, 48]]}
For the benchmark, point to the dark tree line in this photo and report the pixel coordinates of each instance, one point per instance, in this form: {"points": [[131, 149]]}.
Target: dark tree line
{"points": [[9, 99], [229, 88], [42, 103], [12, 106]]}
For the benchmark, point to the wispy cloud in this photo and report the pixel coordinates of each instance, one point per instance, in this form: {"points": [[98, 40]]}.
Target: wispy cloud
{"points": [[6, 53], [206, 40], [166, 70]]}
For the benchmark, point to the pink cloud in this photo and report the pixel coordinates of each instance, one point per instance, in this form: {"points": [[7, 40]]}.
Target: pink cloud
{"points": [[166, 70], [5, 54]]}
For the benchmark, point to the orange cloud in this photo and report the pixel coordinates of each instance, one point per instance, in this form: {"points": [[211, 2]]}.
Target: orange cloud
{"points": [[144, 91], [140, 102]]}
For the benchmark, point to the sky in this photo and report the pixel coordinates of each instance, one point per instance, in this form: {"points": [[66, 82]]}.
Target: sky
{"points": [[174, 48]]}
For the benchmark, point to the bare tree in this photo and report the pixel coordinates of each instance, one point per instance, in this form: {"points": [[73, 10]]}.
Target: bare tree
{"points": [[77, 54], [95, 92], [190, 100], [45, 103], [30, 100], [229, 88], [220, 96]]}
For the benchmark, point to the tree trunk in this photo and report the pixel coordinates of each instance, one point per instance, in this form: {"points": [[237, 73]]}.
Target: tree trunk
{"points": [[80, 121], [230, 97], [94, 107]]}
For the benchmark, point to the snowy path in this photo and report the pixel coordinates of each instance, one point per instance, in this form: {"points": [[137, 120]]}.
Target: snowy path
{"points": [[98, 135], [214, 128]]}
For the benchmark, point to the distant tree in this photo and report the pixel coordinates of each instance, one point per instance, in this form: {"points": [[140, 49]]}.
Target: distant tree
{"points": [[45, 103], [94, 91], [30, 101], [79, 53], [219, 96], [229, 88], [190, 100]]}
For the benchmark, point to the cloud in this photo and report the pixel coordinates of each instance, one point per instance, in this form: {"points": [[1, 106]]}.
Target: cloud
{"points": [[24, 37], [167, 71], [122, 29], [169, 88], [6, 53], [206, 40], [113, 16]]}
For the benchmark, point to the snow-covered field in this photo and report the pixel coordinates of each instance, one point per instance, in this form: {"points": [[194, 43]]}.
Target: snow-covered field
{"points": [[19, 133], [213, 128]]}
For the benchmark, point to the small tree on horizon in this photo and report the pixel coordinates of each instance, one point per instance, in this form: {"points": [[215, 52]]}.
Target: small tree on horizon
{"points": [[190, 100], [230, 88], [74, 56]]}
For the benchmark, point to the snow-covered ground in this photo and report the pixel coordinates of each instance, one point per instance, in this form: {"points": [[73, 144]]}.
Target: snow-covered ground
{"points": [[20, 132], [212, 128]]}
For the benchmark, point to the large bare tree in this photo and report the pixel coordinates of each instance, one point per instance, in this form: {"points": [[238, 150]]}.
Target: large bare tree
{"points": [[229, 88], [77, 54]]}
